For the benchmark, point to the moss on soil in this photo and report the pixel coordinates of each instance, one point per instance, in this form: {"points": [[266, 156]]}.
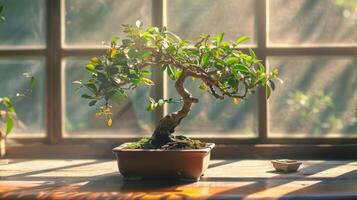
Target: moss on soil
{"points": [[178, 142]]}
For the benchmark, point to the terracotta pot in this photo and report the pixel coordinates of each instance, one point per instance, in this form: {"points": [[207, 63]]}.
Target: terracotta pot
{"points": [[158, 163]]}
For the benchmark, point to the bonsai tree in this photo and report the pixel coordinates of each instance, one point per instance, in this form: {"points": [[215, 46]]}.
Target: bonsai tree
{"points": [[221, 69]]}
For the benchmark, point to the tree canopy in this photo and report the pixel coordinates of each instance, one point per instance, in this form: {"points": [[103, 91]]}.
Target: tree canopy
{"points": [[223, 70]]}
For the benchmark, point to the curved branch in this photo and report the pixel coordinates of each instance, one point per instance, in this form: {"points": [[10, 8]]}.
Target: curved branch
{"points": [[167, 125]]}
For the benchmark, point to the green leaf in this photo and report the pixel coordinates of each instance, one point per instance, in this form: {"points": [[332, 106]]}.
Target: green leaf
{"points": [[261, 68], [178, 73], [143, 54], [91, 68], [205, 59], [95, 60], [164, 67], [152, 100], [147, 81], [275, 72], [9, 124], [272, 84], [219, 38], [232, 82], [202, 86], [8, 104], [114, 52], [251, 52], [102, 77], [146, 72], [241, 68], [134, 78], [268, 90], [91, 87], [86, 96], [231, 60], [171, 73], [114, 40], [242, 39], [119, 96], [160, 102], [32, 82], [92, 103], [151, 107]]}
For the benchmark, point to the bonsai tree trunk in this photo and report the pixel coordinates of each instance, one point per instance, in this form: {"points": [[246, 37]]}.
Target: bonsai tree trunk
{"points": [[167, 125]]}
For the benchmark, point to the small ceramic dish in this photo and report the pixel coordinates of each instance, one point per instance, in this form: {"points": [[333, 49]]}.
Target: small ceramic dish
{"points": [[286, 165]]}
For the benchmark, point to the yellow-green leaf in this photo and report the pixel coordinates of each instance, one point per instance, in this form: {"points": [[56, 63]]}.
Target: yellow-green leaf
{"points": [[242, 39], [236, 101], [110, 122], [147, 81], [203, 86], [95, 60], [114, 52], [9, 124], [90, 68]]}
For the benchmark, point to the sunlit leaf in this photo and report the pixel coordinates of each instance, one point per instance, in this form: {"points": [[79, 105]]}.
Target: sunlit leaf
{"points": [[95, 60], [205, 59], [178, 73], [147, 81], [251, 52], [231, 60], [114, 40], [219, 38], [9, 124], [171, 73], [110, 122], [91, 68], [160, 102], [236, 101], [242, 39]]}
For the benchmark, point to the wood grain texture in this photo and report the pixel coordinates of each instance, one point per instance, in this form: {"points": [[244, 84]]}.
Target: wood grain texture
{"points": [[225, 179]]}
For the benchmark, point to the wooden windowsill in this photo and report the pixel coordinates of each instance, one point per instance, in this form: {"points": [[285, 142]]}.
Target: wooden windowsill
{"points": [[226, 179], [103, 149]]}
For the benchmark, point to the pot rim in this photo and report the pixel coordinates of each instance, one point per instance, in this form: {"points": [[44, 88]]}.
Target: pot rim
{"points": [[209, 147]]}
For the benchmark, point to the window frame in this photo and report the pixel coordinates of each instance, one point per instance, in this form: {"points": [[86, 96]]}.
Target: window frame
{"points": [[55, 52]]}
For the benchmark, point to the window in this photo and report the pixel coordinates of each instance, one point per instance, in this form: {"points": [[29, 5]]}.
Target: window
{"points": [[313, 42]]}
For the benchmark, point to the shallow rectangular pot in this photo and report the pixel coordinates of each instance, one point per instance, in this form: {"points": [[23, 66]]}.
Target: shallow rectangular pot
{"points": [[286, 165], [159, 163]]}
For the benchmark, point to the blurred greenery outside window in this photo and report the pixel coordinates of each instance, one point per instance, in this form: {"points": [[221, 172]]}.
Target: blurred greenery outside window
{"points": [[318, 98]]}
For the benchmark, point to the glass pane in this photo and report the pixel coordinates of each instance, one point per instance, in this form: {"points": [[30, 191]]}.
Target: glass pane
{"points": [[190, 18], [318, 97], [309, 22], [91, 22], [211, 117], [25, 24], [31, 109], [130, 118]]}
